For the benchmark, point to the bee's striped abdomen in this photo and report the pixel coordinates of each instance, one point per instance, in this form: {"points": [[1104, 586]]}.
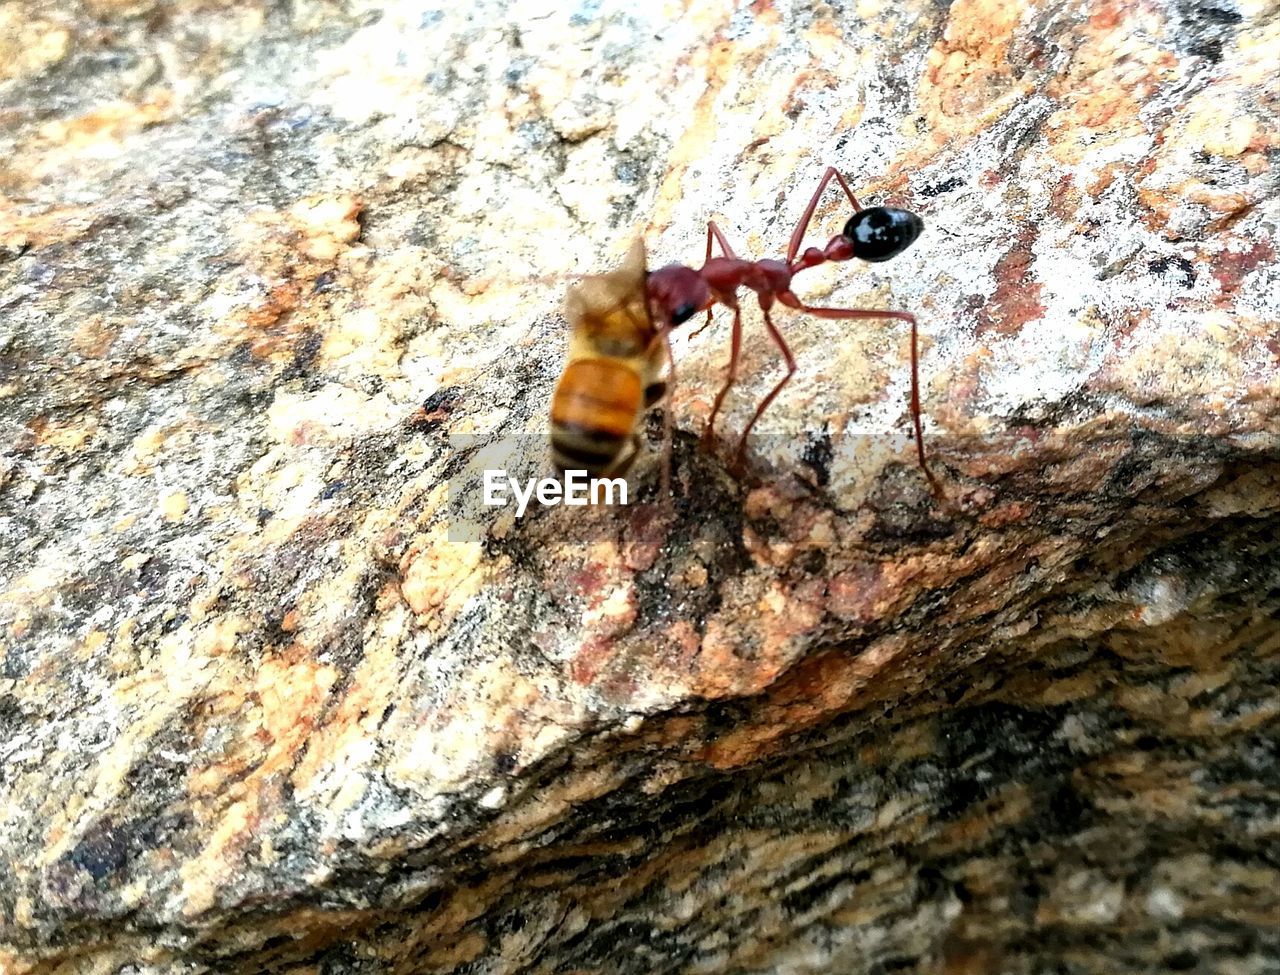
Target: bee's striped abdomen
{"points": [[593, 415]]}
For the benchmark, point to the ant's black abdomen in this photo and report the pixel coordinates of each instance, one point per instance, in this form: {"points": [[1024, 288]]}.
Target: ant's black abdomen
{"points": [[879, 233]]}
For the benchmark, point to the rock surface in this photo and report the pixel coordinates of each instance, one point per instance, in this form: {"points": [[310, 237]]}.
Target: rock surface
{"points": [[275, 279]]}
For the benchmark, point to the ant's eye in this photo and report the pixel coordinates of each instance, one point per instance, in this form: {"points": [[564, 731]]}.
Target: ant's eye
{"points": [[683, 314], [879, 233]]}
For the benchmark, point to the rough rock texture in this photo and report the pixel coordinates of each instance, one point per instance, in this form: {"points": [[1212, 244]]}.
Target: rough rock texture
{"points": [[262, 265]]}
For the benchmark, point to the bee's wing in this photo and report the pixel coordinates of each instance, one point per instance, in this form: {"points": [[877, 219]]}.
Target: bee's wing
{"points": [[613, 302]]}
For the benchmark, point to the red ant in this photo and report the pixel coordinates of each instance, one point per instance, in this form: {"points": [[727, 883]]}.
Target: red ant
{"points": [[677, 293], [615, 361]]}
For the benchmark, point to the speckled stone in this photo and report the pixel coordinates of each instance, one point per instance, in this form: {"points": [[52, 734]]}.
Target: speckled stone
{"points": [[276, 280]]}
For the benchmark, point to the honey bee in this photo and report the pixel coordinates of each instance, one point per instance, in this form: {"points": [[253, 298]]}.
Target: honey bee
{"points": [[616, 370]]}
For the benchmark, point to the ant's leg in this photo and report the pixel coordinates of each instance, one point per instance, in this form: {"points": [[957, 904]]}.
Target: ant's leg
{"points": [[712, 229], [797, 235], [764, 404], [863, 313], [735, 348], [667, 420], [724, 244]]}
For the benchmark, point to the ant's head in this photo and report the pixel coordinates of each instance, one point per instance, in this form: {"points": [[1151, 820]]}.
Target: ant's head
{"points": [[879, 233], [676, 293]]}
